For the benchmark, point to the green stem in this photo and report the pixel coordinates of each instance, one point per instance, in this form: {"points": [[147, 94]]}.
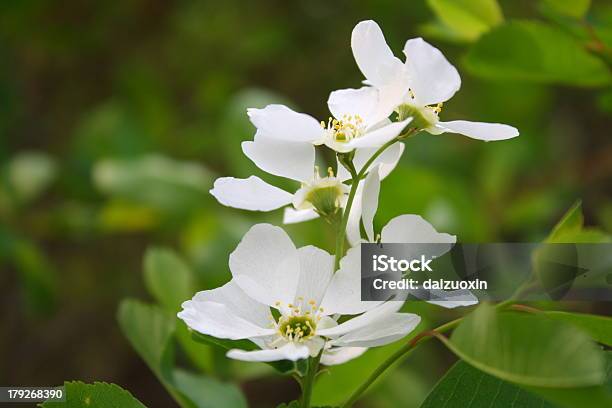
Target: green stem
{"points": [[340, 237], [405, 350], [395, 357], [313, 367]]}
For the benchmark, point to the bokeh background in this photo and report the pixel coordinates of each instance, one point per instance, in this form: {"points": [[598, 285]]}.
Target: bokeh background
{"points": [[115, 118]]}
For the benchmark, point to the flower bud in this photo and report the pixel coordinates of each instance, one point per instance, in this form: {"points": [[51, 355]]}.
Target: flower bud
{"points": [[422, 118], [324, 195]]}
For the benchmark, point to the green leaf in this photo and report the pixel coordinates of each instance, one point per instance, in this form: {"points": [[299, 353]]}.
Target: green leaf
{"points": [[598, 327], [570, 8], [342, 380], [528, 349], [208, 393], [535, 52], [572, 221], [599, 396], [468, 19], [170, 281], [167, 278], [96, 395], [464, 385], [37, 274], [150, 330]]}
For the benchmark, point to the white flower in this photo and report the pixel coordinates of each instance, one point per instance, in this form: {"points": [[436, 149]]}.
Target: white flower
{"points": [[287, 301], [282, 147], [358, 121], [406, 229], [417, 87]]}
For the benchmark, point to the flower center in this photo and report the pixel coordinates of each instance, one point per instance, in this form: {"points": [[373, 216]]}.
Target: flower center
{"points": [[345, 129], [297, 328], [301, 323]]}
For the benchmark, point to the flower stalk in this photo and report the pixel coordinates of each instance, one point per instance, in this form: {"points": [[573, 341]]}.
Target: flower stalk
{"points": [[308, 381]]}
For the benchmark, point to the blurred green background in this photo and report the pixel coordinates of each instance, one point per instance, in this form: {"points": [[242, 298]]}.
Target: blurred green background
{"points": [[115, 118]]}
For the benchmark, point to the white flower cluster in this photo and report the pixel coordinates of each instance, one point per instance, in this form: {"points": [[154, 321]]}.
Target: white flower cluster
{"points": [[290, 301]]}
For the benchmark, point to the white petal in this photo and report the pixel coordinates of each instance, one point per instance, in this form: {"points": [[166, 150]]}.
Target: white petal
{"points": [[266, 265], [218, 320], [237, 302], [293, 216], [479, 130], [387, 161], [343, 295], [372, 54], [286, 159], [340, 355], [369, 202], [353, 227], [380, 136], [280, 122], [433, 78], [290, 351], [249, 194], [413, 229], [364, 320], [316, 269], [386, 330], [362, 102], [452, 299]]}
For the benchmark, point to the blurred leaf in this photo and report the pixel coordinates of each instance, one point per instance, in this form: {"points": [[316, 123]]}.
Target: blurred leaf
{"points": [[292, 404], [530, 350], [335, 387], [150, 331], [109, 129], [124, 216], [571, 222], [35, 270], [208, 393], [27, 175], [571, 8], [154, 180], [468, 19], [96, 395], [570, 229], [464, 385], [599, 396], [167, 278], [407, 387], [535, 52], [604, 101], [598, 327], [170, 282]]}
